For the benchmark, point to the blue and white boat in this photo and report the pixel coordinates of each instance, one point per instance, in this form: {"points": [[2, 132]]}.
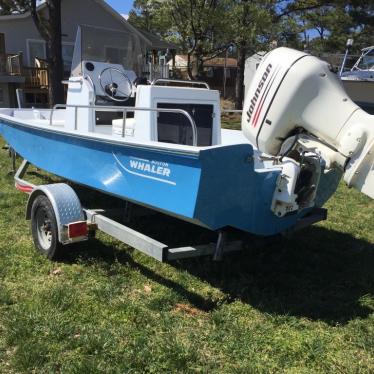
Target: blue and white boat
{"points": [[359, 80], [161, 145]]}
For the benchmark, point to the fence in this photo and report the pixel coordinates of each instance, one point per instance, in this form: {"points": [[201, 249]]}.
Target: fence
{"points": [[36, 77], [12, 64], [152, 71]]}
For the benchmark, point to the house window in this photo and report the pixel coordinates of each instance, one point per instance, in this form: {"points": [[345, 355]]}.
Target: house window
{"points": [[1, 96], [35, 48]]}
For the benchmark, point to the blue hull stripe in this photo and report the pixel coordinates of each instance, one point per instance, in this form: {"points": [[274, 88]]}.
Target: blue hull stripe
{"points": [[216, 187]]}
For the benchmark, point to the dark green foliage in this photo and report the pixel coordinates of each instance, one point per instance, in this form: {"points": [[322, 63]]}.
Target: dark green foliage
{"points": [[335, 21], [13, 6]]}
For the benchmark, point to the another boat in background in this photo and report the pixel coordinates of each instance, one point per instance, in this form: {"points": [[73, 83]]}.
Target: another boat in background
{"points": [[359, 81]]}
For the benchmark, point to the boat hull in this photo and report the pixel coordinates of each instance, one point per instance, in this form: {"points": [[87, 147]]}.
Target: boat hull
{"points": [[216, 187], [361, 92]]}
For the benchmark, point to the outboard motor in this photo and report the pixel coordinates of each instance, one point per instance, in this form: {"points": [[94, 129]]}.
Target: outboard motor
{"points": [[296, 109]]}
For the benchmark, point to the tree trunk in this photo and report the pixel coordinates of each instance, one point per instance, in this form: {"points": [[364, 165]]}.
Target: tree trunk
{"points": [[50, 30], [56, 65], [189, 68], [198, 64], [239, 84], [200, 68], [195, 65]]}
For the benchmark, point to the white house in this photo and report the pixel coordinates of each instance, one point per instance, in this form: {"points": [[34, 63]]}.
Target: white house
{"points": [[21, 43], [251, 65]]}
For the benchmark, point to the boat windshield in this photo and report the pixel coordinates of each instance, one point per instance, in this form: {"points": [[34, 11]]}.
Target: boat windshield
{"points": [[106, 45], [366, 61]]}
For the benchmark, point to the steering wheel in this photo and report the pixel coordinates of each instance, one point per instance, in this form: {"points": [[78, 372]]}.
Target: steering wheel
{"points": [[115, 84]]}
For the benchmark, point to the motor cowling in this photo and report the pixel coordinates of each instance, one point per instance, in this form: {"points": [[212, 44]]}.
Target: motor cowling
{"points": [[295, 93]]}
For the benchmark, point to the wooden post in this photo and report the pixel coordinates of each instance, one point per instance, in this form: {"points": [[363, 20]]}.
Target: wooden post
{"points": [[3, 56], [225, 75], [173, 53], [20, 70]]}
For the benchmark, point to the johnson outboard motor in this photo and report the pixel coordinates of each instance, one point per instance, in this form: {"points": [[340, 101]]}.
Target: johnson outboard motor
{"points": [[296, 110]]}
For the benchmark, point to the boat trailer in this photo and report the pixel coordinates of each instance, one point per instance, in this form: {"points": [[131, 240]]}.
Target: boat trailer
{"points": [[58, 219]]}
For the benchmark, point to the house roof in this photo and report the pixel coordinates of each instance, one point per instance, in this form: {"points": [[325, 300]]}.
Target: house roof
{"points": [[150, 39], [220, 61], [157, 42], [214, 62]]}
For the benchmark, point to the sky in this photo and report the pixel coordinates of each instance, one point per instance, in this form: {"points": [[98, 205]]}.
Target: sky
{"points": [[121, 6]]}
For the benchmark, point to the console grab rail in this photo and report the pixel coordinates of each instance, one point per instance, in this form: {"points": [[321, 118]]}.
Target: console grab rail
{"points": [[165, 80], [125, 110]]}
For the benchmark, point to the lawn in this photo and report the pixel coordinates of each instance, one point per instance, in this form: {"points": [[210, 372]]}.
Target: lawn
{"points": [[302, 305]]}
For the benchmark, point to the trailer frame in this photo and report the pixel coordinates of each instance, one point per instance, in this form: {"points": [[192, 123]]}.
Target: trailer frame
{"points": [[97, 220]]}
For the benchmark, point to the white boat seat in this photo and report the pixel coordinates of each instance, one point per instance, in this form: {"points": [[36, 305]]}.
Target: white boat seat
{"points": [[117, 125], [46, 122]]}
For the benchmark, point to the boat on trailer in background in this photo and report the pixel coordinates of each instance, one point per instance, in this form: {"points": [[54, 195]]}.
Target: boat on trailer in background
{"points": [[359, 81], [160, 145]]}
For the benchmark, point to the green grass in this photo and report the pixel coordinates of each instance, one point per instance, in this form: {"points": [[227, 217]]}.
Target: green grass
{"points": [[231, 121], [302, 305]]}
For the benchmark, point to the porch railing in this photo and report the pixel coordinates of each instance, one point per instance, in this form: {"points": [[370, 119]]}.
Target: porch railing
{"points": [[35, 77], [155, 71], [12, 64]]}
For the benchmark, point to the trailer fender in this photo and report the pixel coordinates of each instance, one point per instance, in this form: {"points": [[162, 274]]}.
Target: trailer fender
{"points": [[65, 203]]}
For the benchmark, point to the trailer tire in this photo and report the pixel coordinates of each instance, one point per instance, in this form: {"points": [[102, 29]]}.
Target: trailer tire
{"points": [[44, 228]]}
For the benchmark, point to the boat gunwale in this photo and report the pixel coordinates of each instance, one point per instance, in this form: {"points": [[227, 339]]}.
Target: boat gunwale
{"points": [[193, 152]]}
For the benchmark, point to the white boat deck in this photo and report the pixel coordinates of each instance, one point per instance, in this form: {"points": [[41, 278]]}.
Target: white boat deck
{"points": [[41, 118]]}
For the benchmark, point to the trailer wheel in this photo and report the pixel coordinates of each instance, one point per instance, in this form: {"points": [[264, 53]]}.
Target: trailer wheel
{"points": [[44, 228]]}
